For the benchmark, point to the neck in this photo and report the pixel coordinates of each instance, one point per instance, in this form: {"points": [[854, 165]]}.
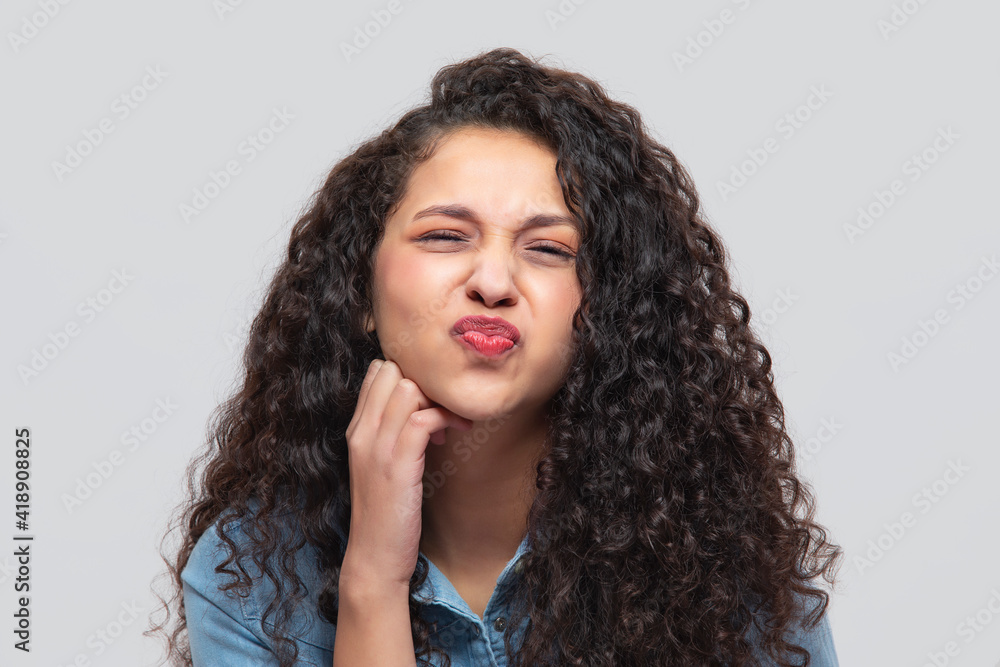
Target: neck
{"points": [[478, 488]]}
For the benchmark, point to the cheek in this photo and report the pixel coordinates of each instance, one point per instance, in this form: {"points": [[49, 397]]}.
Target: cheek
{"points": [[412, 296], [569, 296], [398, 274], [563, 299], [572, 297]]}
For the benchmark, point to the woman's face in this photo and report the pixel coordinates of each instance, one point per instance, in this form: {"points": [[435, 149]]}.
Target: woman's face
{"points": [[479, 188]]}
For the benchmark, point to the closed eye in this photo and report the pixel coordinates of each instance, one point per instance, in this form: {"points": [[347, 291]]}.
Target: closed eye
{"points": [[546, 249], [441, 235], [552, 250]]}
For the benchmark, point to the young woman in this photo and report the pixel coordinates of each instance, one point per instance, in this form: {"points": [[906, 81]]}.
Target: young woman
{"points": [[502, 406]]}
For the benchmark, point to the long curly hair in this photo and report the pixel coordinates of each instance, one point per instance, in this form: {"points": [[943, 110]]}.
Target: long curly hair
{"points": [[669, 525]]}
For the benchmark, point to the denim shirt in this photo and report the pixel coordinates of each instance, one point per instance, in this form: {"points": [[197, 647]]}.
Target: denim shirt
{"points": [[227, 630]]}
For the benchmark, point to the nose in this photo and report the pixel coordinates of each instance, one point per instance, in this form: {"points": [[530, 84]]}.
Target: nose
{"points": [[491, 279]]}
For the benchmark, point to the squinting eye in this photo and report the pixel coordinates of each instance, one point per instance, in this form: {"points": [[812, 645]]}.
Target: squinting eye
{"points": [[441, 235], [545, 249], [553, 250]]}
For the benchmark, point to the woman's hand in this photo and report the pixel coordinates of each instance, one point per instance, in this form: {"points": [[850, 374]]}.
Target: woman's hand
{"points": [[386, 440]]}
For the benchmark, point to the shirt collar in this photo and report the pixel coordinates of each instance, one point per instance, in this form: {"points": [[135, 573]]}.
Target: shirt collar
{"points": [[436, 589]]}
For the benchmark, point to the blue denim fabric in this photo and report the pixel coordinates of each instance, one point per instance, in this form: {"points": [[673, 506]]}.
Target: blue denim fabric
{"points": [[227, 631]]}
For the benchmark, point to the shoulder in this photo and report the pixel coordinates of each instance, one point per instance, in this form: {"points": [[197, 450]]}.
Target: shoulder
{"points": [[816, 639], [208, 607]]}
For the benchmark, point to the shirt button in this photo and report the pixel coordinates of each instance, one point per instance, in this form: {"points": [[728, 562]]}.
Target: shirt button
{"points": [[500, 623]]}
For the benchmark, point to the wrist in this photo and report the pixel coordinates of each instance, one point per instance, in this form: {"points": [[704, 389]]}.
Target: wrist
{"points": [[364, 583]]}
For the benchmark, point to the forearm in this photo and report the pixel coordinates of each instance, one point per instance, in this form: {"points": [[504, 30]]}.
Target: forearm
{"points": [[373, 625]]}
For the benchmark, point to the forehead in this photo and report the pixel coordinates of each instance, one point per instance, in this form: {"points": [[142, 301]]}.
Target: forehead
{"points": [[475, 134], [489, 153], [476, 172]]}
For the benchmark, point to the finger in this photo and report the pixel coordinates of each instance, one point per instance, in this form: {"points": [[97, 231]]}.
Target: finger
{"points": [[419, 428], [404, 399], [438, 437], [411, 420], [363, 394], [386, 413], [372, 414]]}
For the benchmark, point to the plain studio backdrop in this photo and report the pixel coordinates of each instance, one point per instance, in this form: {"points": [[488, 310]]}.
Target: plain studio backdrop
{"points": [[155, 158]]}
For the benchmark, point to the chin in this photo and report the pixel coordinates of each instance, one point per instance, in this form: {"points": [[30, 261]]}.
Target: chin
{"points": [[468, 407]]}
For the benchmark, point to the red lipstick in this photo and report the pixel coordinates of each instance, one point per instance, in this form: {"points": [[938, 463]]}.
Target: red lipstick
{"points": [[489, 336]]}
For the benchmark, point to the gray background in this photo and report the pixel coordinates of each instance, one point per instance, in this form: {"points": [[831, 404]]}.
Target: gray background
{"points": [[830, 310]]}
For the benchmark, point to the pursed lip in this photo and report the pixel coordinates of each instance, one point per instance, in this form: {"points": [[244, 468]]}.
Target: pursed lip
{"points": [[489, 326]]}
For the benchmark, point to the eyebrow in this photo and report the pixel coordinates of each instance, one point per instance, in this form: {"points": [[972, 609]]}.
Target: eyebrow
{"points": [[464, 213]]}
